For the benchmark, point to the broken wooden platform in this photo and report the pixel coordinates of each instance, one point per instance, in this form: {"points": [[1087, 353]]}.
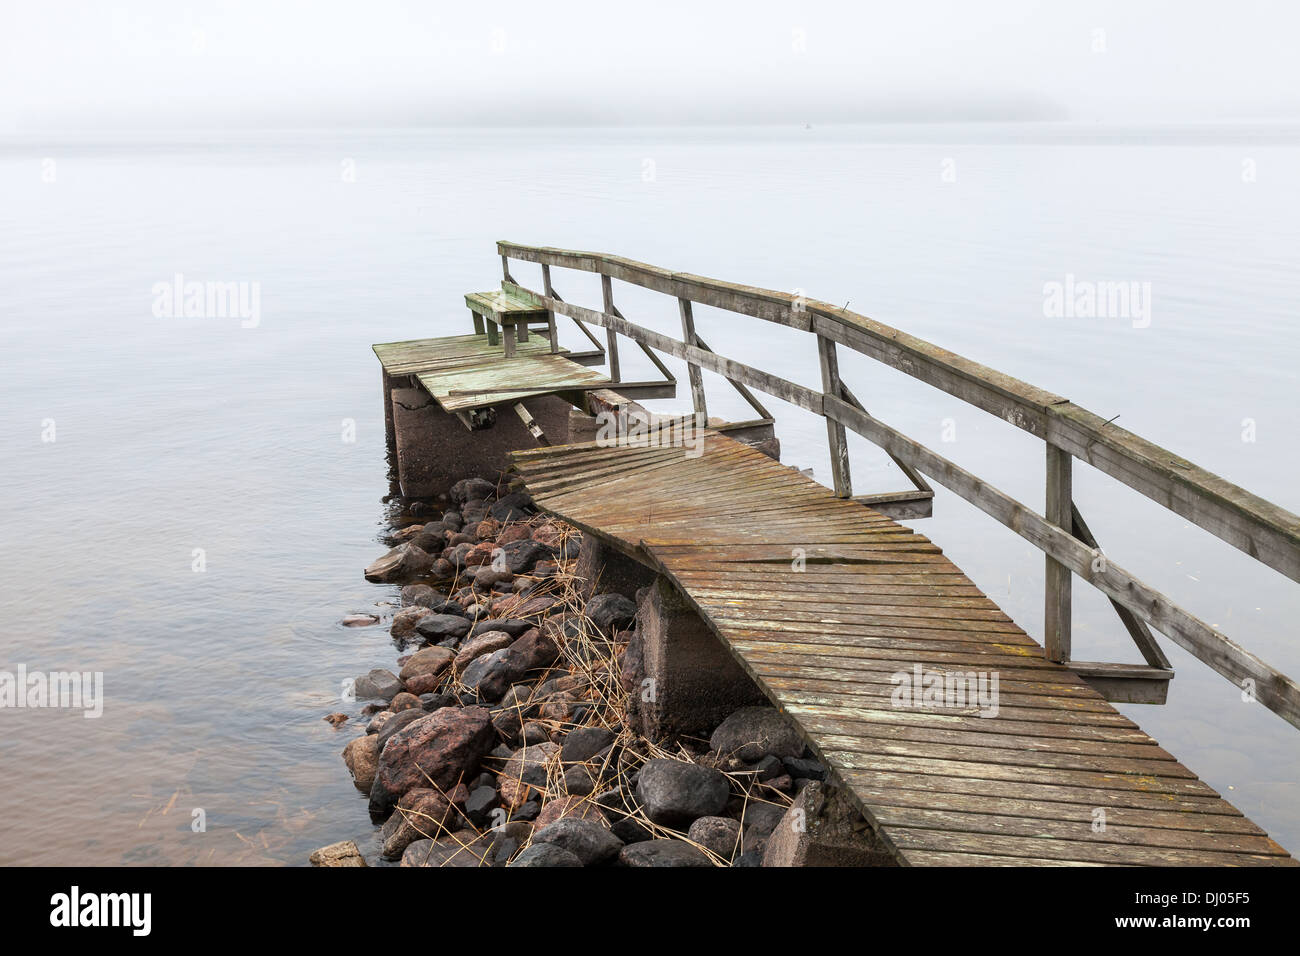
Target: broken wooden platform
{"points": [[825, 602], [463, 372]]}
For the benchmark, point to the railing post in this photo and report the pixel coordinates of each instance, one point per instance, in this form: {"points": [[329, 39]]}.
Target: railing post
{"points": [[550, 313], [835, 430], [611, 341], [1056, 626], [693, 370]]}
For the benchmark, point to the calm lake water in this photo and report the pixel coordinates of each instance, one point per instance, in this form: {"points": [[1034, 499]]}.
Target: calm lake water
{"points": [[176, 434]]}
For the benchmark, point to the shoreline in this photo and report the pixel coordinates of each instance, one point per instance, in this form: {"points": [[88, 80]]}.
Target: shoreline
{"points": [[510, 732]]}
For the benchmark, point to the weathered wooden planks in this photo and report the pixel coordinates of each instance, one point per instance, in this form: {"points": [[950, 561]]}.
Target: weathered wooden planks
{"points": [[507, 380], [824, 602]]}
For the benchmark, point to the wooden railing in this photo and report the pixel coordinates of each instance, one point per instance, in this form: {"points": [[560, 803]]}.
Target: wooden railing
{"points": [[1261, 529]]}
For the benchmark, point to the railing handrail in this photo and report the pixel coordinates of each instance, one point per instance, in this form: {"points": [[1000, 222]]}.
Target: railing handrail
{"points": [[1267, 532], [1261, 529]]}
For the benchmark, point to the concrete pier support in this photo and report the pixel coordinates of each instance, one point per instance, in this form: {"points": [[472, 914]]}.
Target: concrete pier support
{"points": [[435, 450], [689, 682], [602, 568], [824, 828]]}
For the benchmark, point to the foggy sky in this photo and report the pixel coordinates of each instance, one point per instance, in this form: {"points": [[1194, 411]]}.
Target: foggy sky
{"points": [[168, 63]]}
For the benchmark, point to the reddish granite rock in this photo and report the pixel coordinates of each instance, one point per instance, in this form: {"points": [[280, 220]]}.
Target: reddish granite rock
{"points": [[437, 751]]}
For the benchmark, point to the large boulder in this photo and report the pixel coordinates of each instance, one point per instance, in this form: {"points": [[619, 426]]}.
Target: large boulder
{"points": [[438, 750], [532, 652], [546, 854], [674, 793], [752, 733], [588, 840], [404, 562]]}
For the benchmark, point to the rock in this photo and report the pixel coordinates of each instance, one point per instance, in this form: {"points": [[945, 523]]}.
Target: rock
{"points": [[487, 529], [521, 555], [377, 722], [337, 854], [525, 606], [529, 811], [437, 750], [574, 806], [404, 562], [525, 769], [630, 831], [464, 848], [404, 701], [512, 507], [420, 814], [611, 612], [674, 792], [583, 743], [800, 767], [359, 620], [535, 733], [378, 684], [588, 840], [513, 627], [752, 733], [761, 817], [546, 854], [487, 577], [362, 757], [336, 720], [395, 723], [420, 595], [423, 684], [404, 621], [479, 668], [428, 660], [529, 653], [479, 806], [453, 520], [442, 569], [662, 853], [431, 702], [471, 489], [433, 627], [716, 834], [476, 646], [579, 780], [769, 768]]}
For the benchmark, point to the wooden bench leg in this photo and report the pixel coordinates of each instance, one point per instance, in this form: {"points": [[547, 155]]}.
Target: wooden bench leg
{"points": [[522, 328], [508, 336], [493, 337], [478, 322]]}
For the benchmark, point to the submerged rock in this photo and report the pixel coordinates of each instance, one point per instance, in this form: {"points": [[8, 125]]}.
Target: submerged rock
{"points": [[344, 853]]}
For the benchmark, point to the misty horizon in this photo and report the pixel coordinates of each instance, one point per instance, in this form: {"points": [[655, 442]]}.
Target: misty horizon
{"points": [[148, 64]]}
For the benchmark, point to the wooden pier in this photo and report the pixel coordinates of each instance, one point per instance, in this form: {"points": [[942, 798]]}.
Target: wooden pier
{"points": [[828, 604]]}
